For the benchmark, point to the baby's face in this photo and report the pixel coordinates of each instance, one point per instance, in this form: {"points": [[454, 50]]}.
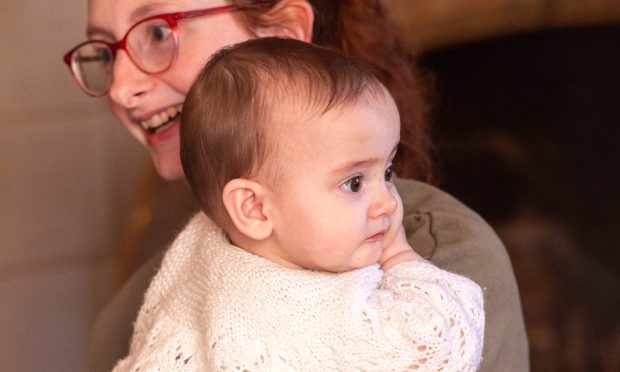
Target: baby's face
{"points": [[337, 207]]}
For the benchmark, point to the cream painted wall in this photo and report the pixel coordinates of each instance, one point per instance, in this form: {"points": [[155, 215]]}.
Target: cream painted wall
{"points": [[68, 175]]}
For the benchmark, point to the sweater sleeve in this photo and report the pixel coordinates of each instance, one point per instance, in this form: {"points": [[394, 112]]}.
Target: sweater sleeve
{"points": [[436, 315], [454, 238]]}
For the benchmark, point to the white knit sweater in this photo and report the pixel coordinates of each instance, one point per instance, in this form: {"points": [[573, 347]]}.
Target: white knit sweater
{"points": [[214, 307]]}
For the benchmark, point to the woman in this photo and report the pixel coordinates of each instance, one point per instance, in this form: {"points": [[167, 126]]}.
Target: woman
{"points": [[162, 47]]}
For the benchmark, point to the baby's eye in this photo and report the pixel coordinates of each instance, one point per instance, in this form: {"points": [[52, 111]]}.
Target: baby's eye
{"points": [[389, 174], [353, 185]]}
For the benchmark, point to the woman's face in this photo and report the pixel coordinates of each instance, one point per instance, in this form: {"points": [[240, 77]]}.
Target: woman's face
{"points": [[140, 100]]}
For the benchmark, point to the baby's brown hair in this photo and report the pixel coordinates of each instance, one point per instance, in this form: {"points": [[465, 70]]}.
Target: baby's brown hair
{"points": [[364, 30], [249, 92]]}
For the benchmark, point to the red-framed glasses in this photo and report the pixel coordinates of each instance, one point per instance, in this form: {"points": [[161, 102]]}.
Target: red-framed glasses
{"points": [[152, 44]]}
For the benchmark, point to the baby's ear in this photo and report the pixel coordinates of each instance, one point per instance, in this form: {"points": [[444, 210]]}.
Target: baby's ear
{"points": [[244, 200], [288, 18]]}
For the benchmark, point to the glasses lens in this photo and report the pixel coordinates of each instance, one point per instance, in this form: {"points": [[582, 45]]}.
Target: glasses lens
{"points": [[152, 45], [92, 65]]}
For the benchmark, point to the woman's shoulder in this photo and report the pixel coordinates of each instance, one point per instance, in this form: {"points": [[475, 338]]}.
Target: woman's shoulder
{"points": [[110, 336], [435, 220], [452, 236], [420, 197], [147, 286]]}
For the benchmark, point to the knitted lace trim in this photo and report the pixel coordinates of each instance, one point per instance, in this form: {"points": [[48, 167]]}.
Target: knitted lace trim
{"points": [[213, 306]]}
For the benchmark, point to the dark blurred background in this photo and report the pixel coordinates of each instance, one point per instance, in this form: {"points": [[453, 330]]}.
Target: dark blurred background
{"points": [[527, 131], [526, 115]]}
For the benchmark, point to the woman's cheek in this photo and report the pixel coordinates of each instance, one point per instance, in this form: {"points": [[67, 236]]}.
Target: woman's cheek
{"points": [[121, 115], [195, 52], [189, 63], [182, 80]]}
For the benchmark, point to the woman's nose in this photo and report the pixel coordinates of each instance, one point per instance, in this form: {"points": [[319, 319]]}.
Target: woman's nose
{"points": [[129, 84], [383, 204]]}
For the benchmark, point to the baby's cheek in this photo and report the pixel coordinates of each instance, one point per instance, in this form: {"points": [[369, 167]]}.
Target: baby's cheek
{"points": [[395, 227], [397, 217]]}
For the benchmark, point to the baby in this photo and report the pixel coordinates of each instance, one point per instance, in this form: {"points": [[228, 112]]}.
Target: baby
{"points": [[302, 263]]}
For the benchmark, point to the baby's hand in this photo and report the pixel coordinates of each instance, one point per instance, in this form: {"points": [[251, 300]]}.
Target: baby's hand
{"points": [[398, 251]]}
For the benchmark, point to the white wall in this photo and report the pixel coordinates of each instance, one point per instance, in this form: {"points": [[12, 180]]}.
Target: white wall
{"points": [[67, 174]]}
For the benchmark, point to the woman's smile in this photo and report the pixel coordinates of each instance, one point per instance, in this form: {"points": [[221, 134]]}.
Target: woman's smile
{"points": [[162, 120], [164, 132]]}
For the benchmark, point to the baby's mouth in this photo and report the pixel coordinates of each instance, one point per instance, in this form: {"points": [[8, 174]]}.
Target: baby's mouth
{"points": [[162, 120], [377, 236]]}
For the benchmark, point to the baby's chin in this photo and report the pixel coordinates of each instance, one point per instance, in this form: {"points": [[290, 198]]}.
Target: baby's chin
{"points": [[371, 259]]}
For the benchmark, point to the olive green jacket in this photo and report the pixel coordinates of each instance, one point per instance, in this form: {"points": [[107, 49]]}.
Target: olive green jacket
{"points": [[438, 227]]}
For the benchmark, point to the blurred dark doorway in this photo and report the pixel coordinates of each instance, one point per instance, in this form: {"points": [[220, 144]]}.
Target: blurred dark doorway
{"points": [[527, 128]]}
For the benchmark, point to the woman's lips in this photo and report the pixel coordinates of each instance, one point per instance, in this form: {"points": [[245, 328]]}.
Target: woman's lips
{"points": [[161, 119], [163, 133], [161, 126]]}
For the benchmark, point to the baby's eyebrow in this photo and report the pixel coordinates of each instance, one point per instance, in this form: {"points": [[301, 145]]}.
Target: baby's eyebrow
{"points": [[349, 166]]}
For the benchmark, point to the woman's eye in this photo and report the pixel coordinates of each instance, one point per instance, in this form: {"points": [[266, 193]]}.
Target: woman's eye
{"points": [[104, 55], [353, 185], [389, 174], [160, 33]]}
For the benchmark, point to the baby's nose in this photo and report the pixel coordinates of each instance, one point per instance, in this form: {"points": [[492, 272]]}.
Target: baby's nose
{"points": [[384, 204]]}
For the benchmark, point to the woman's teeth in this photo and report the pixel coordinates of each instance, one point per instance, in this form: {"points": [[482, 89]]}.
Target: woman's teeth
{"points": [[159, 121]]}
